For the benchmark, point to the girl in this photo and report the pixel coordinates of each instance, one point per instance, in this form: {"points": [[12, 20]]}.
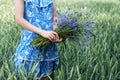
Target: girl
{"points": [[36, 17]]}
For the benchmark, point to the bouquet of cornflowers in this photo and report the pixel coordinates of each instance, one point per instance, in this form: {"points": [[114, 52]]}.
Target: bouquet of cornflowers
{"points": [[72, 25]]}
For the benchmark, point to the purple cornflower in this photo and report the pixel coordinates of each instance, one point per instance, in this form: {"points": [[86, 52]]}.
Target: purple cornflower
{"points": [[88, 34], [74, 25], [80, 14], [69, 15], [100, 35], [62, 25], [94, 27], [84, 40], [90, 21], [63, 17], [74, 20], [83, 6], [76, 12], [69, 8], [70, 22]]}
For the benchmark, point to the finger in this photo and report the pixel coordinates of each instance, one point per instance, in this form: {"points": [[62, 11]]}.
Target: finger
{"points": [[51, 35], [50, 39], [56, 34], [58, 40]]}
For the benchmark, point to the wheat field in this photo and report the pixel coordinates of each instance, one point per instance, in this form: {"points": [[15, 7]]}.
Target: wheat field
{"points": [[99, 61]]}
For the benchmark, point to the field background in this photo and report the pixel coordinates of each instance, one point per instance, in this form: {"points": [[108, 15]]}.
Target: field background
{"points": [[100, 61]]}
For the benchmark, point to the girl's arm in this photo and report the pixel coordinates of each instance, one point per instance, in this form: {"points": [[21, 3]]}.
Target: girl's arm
{"points": [[54, 9], [19, 16], [55, 18]]}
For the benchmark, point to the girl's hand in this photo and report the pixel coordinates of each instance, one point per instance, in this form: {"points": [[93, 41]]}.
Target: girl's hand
{"points": [[57, 40], [51, 35]]}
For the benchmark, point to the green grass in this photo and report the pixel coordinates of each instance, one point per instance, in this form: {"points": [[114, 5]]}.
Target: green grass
{"points": [[100, 61]]}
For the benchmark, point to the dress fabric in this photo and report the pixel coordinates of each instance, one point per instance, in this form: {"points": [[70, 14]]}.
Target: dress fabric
{"points": [[39, 14]]}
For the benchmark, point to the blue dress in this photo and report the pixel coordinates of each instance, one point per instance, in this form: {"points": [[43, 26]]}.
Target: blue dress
{"points": [[44, 59]]}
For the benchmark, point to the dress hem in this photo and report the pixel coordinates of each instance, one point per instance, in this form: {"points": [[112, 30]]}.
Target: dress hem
{"points": [[40, 60]]}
